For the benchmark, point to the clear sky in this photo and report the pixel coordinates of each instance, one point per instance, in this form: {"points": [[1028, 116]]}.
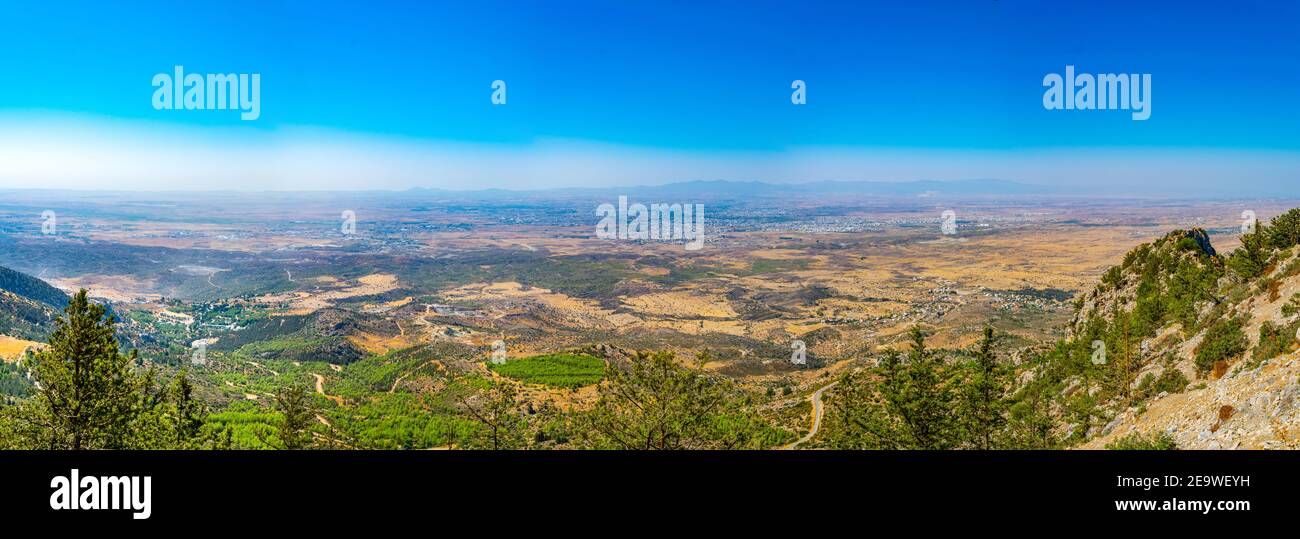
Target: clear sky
{"points": [[397, 94]]}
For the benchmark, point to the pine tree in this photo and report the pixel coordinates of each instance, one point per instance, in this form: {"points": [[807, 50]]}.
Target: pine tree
{"points": [[187, 413], [1031, 425], [658, 404], [90, 396], [924, 398], [909, 405], [858, 417], [1124, 368], [500, 413], [296, 414], [983, 396], [1250, 259]]}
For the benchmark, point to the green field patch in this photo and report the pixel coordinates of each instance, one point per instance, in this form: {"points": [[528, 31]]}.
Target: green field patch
{"points": [[556, 370], [759, 267], [281, 345]]}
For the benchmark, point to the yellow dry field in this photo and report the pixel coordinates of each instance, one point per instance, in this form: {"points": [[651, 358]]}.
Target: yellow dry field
{"points": [[387, 306], [306, 302], [681, 304], [11, 349], [380, 344], [508, 297], [514, 291], [114, 288]]}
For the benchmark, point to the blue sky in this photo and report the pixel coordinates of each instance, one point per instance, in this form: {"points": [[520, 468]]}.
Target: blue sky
{"points": [[692, 90]]}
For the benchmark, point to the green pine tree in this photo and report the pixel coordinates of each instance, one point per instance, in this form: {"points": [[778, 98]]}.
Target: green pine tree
{"points": [[924, 398], [658, 404], [187, 416], [500, 413], [983, 396], [90, 395], [297, 412], [905, 405]]}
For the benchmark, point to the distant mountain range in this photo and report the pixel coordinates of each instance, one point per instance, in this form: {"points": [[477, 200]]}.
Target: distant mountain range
{"points": [[698, 189], [732, 189]]}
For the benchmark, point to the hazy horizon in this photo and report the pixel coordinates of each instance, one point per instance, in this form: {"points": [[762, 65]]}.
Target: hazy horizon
{"points": [[617, 97]]}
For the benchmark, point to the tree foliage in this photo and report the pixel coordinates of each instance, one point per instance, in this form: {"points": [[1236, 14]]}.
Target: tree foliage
{"points": [[297, 412], [501, 415], [658, 404], [982, 398], [905, 404], [92, 396]]}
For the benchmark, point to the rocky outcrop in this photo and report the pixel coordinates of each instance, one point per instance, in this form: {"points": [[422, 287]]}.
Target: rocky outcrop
{"points": [[1257, 408], [1249, 401]]}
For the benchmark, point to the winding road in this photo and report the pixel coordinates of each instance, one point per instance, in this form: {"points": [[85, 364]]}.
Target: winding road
{"points": [[320, 388], [817, 411]]}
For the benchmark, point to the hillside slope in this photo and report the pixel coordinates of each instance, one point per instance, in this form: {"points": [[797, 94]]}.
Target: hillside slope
{"points": [[28, 306], [330, 335], [29, 287], [1183, 341]]}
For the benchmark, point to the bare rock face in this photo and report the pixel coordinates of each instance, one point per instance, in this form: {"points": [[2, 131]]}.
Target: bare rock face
{"points": [[1233, 412]]}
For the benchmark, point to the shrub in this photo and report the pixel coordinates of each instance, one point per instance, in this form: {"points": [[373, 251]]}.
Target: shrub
{"points": [[1284, 230], [1292, 305], [1171, 380], [1161, 441], [1113, 278], [1223, 340], [1274, 340]]}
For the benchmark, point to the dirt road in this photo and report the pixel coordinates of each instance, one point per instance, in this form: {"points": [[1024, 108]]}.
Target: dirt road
{"points": [[817, 411], [320, 388]]}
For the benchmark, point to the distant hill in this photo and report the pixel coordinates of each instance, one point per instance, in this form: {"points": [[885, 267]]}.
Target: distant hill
{"points": [[25, 319], [29, 287], [319, 336], [731, 189], [28, 306]]}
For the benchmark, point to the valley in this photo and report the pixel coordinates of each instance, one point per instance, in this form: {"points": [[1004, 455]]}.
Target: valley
{"points": [[393, 324]]}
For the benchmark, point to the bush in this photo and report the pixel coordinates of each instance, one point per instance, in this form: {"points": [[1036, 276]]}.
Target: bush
{"points": [[1113, 277], [1249, 259], [1170, 381], [1223, 340], [1274, 340], [1284, 231], [1138, 442], [1292, 305]]}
